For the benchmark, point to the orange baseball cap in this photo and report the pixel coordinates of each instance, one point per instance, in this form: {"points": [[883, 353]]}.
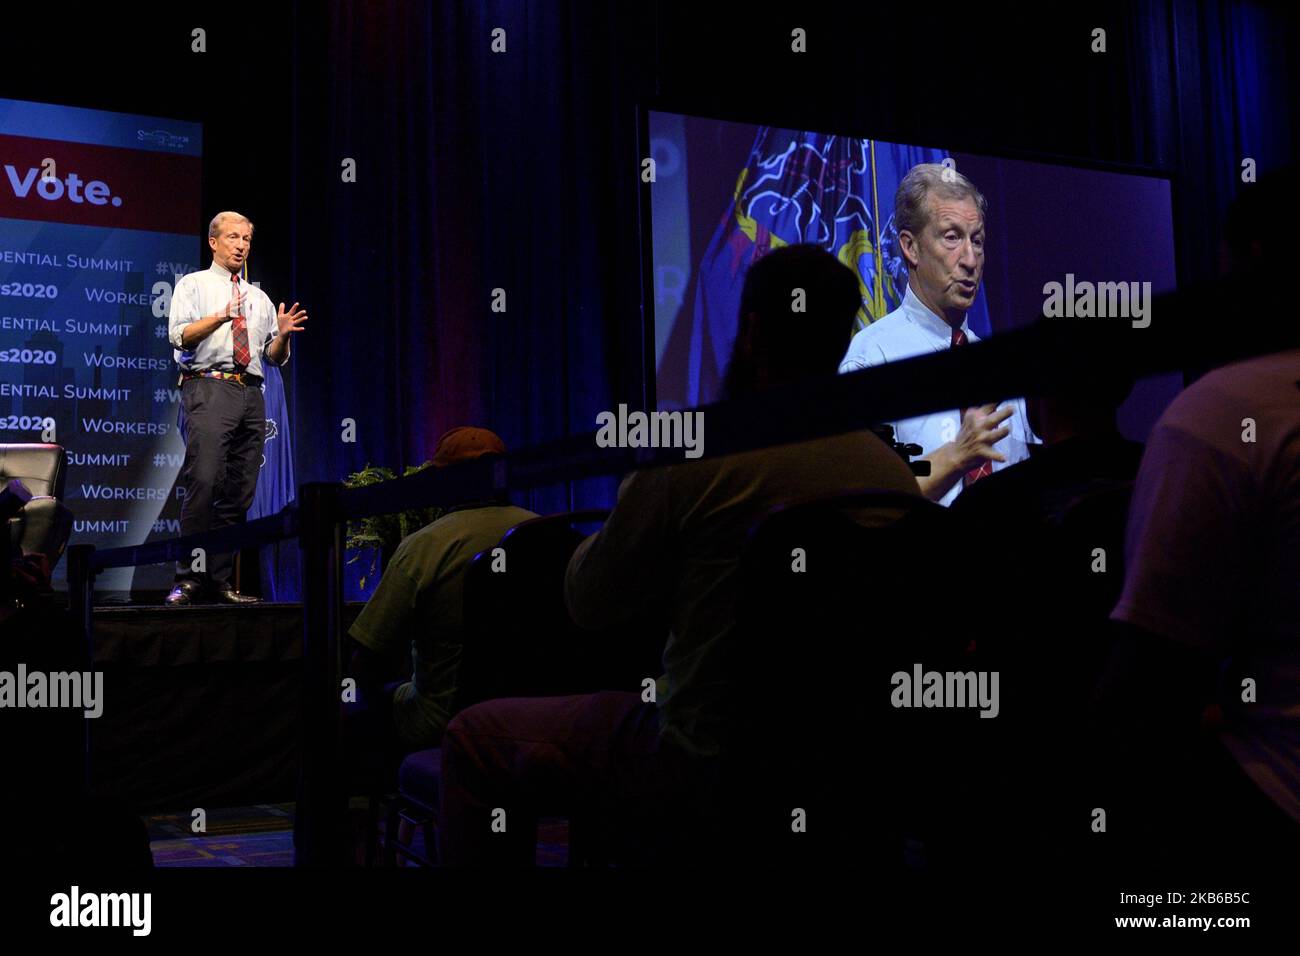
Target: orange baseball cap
{"points": [[465, 444]]}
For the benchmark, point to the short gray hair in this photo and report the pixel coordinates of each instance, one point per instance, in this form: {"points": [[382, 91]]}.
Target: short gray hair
{"points": [[909, 202], [215, 225]]}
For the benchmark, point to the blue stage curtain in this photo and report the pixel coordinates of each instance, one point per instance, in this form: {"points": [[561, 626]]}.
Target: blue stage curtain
{"points": [[1209, 86], [475, 171]]}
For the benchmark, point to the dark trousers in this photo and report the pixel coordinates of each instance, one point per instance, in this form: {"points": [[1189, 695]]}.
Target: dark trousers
{"points": [[371, 745], [225, 425], [507, 762]]}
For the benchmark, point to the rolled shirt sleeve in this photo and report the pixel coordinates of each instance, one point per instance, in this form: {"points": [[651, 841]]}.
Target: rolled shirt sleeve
{"points": [[272, 329], [184, 310]]}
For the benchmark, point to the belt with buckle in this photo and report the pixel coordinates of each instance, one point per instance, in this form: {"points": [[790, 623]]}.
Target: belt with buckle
{"points": [[242, 378]]}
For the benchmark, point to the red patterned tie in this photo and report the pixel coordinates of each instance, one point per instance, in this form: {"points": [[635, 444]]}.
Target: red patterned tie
{"points": [[986, 469], [239, 330]]}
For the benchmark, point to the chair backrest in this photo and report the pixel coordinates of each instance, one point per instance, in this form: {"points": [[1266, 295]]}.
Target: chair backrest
{"points": [[1091, 530], [838, 583], [519, 638], [1098, 519], [838, 593], [41, 467]]}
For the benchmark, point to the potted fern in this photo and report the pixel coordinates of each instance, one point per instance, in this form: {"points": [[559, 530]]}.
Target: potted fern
{"points": [[381, 534]]}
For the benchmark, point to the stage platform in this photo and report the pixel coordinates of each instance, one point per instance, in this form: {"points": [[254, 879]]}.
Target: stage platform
{"points": [[201, 704]]}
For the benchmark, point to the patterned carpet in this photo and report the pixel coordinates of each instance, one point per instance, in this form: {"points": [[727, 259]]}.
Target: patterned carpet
{"points": [[262, 835], [236, 836]]}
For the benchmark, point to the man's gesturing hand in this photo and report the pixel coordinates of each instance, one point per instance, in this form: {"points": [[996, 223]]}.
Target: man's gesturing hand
{"points": [[292, 320], [979, 433], [235, 306]]}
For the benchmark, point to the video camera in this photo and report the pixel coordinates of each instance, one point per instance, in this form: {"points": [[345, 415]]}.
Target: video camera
{"points": [[906, 450]]}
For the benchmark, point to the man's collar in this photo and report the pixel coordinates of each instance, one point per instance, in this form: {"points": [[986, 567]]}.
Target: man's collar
{"points": [[920, 313], [221, 270]]}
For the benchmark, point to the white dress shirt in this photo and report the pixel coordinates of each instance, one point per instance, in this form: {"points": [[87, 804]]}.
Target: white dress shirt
{"points": [[203, 293], [911, 330]]}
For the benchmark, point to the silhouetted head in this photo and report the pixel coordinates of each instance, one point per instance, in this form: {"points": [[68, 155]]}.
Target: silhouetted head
{"points": [[1084, 410], [468, 443], [1256, 227], [796, 319], [1255, 259]]}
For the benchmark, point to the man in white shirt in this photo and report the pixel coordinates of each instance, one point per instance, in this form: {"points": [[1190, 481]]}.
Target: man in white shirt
{"points": [[222, 329], [940, 218]]}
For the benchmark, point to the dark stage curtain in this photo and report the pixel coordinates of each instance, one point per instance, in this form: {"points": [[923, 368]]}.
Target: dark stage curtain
{"points": [[1211, 84], [478, 170], [475, 171]]}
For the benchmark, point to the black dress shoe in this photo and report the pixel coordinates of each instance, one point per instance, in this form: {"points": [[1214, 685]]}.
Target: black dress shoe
{"points": [[183, 593], [231, 596]]}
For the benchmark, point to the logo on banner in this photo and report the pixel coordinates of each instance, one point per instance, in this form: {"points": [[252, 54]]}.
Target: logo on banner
{"points": [[160, 137], [272, 429]]}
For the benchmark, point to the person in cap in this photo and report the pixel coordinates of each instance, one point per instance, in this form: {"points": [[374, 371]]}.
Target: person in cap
{"points": [[417, 606]]}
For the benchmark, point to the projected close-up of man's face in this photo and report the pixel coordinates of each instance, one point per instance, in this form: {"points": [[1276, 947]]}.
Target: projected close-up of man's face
{"points": [[946, 260]]}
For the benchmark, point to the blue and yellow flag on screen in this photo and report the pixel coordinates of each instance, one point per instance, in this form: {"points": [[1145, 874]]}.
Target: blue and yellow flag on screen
{"points": [[833, 191]]}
